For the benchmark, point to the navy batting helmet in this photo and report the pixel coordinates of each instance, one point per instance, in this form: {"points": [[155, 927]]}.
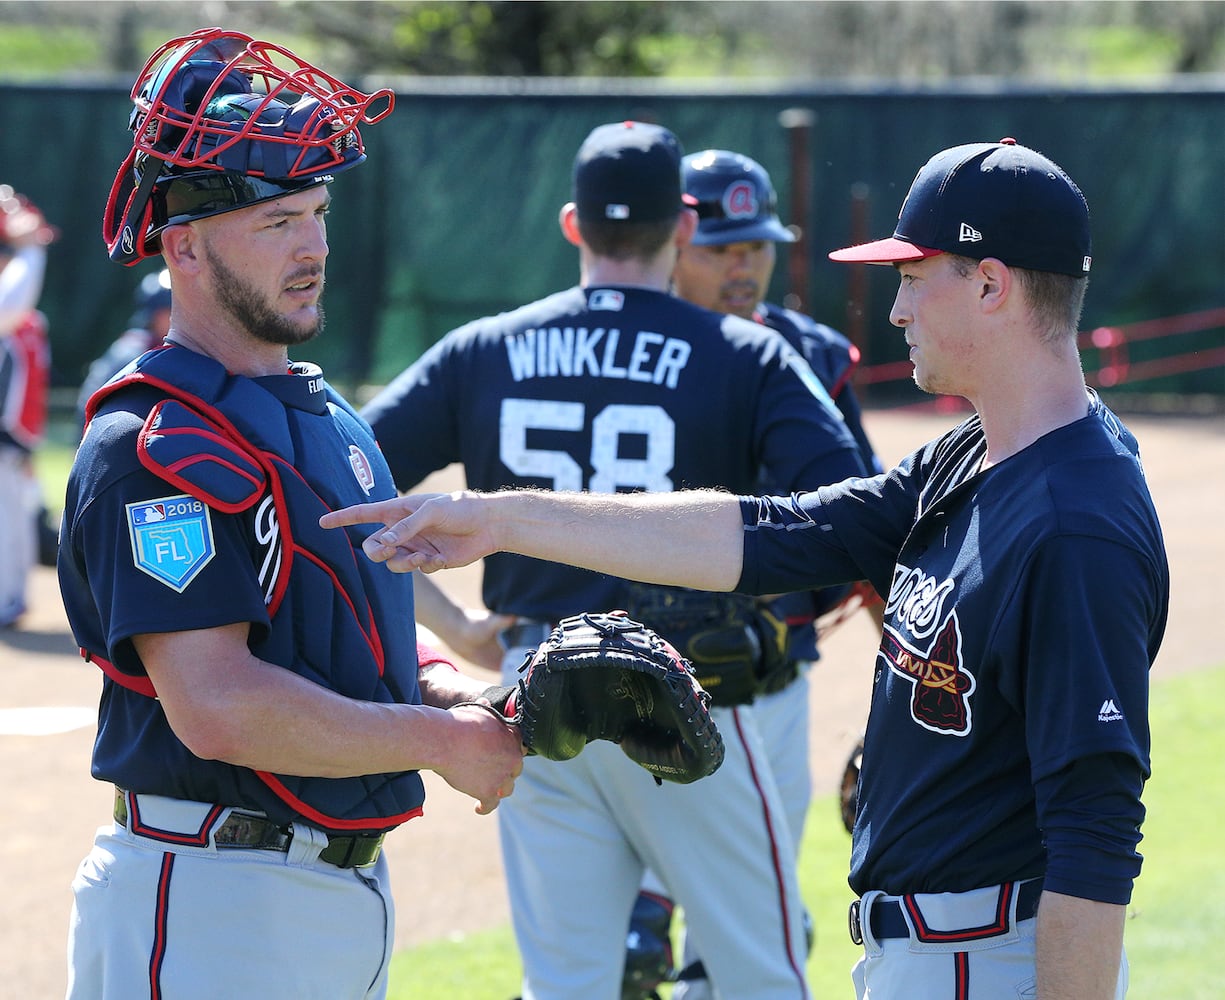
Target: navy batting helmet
{"points": [[222, 121], [734, 198]]}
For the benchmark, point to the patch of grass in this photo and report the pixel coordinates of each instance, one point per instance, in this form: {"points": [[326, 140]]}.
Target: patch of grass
{"points": [[483, 966], [51, 463], [1177, 909]]}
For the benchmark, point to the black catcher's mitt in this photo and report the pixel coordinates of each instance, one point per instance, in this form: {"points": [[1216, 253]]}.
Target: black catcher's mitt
{"points": [[608, 677], [737, 647], [848, 797]]}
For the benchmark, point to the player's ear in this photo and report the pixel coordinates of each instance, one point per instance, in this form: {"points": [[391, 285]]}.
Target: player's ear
{"points": [[995, 282], [179, 246], [686, 226], [567, 218]]}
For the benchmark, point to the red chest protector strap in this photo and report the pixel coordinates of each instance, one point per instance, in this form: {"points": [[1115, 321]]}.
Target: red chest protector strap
{"points": [[141, 685]]}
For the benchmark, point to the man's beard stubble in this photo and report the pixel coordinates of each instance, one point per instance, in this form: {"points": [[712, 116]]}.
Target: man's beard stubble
{"points": [[253, 313]]}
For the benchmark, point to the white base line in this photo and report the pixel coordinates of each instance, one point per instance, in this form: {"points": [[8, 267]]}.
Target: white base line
{"points": [[46, 721]]}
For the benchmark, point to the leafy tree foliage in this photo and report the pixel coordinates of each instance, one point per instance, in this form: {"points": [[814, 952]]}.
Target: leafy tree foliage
{"points": [[872, 40]]}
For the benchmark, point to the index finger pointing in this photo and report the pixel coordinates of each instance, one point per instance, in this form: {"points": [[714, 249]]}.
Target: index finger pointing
{"points": [[386, 512], [362, 513]]}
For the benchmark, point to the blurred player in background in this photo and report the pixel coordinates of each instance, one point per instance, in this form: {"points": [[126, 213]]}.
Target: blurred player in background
{"points": [[147, 328], [727, 267], [617, 385], [25, 366]]}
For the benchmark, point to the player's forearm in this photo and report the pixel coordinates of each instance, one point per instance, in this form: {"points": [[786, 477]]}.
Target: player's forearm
{"points": [[337, 737], [444, 686], [305, 729], [225, 704], [1080, 945], [292, 726], [283, 723], [687, 539]]}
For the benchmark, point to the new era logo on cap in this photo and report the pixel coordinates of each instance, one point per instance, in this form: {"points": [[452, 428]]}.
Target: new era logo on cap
{"points": [[969, 234]]}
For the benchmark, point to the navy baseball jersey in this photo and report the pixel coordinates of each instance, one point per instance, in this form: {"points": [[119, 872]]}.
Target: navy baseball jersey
{"points": [[583, 389], [194, 503], [1025, 605]]}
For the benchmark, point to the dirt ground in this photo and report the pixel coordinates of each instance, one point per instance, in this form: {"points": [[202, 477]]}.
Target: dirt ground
{"points": [[446, 868]]}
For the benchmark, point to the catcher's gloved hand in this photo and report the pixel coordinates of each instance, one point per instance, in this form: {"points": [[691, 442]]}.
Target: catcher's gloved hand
{"points": [[848, 796], [607, 677]]}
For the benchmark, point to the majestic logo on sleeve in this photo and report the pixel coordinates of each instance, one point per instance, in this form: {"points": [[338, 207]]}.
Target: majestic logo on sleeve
{"points": [[922, 644]]}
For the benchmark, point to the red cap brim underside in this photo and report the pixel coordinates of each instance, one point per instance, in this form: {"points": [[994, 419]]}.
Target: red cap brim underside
{"points": [[888, 251]]}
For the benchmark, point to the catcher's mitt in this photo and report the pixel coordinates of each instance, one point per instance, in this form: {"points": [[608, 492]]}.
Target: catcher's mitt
{"points": [[607, 677], [848, 798], [737, 648]]}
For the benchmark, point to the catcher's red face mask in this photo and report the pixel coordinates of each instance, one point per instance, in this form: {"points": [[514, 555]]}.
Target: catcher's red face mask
{"points": [[233, 122]]}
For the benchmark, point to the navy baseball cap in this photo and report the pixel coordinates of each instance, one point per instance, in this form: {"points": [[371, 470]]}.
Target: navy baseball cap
{"points": [[628, 172], [989, 199]]}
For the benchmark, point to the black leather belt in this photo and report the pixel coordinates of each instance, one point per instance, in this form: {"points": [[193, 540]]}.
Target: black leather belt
{"points": [[258, 833], [889, 921]]}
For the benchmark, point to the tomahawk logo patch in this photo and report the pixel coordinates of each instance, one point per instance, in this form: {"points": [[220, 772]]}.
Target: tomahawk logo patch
{"points": [[172, 538], [929, 655]]}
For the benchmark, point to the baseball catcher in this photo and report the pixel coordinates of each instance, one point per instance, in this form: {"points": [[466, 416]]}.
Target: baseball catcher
{"points": [[608, 677]]}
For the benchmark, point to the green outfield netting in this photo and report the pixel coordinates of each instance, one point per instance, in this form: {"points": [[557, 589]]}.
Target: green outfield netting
{"points": [[455, 214]]}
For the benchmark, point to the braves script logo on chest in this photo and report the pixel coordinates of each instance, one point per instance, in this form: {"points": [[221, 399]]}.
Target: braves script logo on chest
{"points": [[268, 535], [922, 644]]}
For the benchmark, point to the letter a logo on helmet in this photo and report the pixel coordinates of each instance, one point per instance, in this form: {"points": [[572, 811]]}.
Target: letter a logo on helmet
{"points": [[740, 201]]}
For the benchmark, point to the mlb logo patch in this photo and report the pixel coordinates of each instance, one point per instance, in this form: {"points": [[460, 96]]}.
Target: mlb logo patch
{"points": [[172, 538], [608, 299]]}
